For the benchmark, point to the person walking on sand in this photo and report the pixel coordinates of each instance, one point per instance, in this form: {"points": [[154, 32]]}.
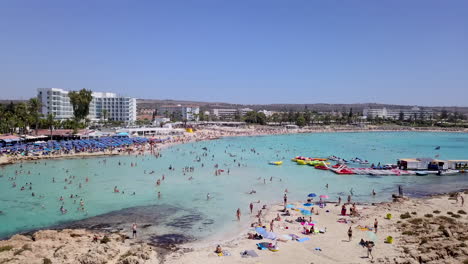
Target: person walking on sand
{"points": [[376, 225], [134, 229], [251, 208], [238, 214], [462, 200], [350, 233], [369, 250], [285, 198], [272, 225]]}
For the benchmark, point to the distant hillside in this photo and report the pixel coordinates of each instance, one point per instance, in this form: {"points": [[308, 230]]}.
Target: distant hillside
{"points": [[149, 103]]}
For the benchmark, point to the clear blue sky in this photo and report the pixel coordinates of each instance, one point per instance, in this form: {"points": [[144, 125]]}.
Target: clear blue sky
{"points": [[240, 51]]}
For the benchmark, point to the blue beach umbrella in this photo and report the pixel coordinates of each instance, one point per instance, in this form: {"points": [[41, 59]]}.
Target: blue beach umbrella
{"points": [[311, 195]]}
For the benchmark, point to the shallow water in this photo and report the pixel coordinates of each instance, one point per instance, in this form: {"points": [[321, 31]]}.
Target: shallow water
{"points": [[183, 208]]}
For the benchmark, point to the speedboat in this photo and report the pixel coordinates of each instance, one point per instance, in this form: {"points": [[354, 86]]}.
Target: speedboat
{"points": [[448, 172], [422, 173]]}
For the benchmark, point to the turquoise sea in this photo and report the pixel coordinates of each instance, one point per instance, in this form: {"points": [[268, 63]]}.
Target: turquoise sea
{"points": [[183, 207]]}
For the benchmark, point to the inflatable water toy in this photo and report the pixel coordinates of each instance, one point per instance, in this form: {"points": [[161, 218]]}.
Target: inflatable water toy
{"points": [[276, 162], [301, 162], [320, 167]]}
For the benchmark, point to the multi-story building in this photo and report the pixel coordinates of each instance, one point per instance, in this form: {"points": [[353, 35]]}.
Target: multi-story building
{"points": [[179, 112], [229, 113], [412, 113], [108, 106]]}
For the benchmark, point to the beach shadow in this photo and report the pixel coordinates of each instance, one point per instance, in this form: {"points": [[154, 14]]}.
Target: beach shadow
{"points": [[345, 240]]}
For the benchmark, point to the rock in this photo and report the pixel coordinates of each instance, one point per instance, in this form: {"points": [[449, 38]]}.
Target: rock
{"points": [[45, 234], [130, 260], [92, 258], [20, 238]]}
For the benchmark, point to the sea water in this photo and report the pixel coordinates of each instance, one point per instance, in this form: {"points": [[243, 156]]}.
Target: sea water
{"points": [[183, 207]]}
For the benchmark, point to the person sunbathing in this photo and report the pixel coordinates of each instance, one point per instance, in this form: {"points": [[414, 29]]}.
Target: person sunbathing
{"points": [[218, 249], [278, 218]]}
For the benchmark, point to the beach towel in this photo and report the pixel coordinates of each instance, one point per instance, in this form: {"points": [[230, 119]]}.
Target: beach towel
{"points": [[263, 245], [303, 239], [293, 236], [249, 253]]}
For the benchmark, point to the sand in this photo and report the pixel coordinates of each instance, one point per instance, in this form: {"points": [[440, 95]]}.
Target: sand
{"points": [[334, 245]]}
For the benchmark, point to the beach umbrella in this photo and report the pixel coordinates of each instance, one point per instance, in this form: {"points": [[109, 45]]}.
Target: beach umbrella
{"points": [[311, 195], [290, 206], [308, 204], [305, 212], [324, 196], [265, 234]]}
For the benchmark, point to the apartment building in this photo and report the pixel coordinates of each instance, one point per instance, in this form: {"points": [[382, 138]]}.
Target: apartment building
{"points": [[104, 105]]}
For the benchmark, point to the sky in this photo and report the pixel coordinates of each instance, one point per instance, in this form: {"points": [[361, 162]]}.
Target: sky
{"points": [[240, 51]]}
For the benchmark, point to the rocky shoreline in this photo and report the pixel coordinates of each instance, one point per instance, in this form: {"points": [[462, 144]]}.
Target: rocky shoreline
{"points": [[424, 230]]}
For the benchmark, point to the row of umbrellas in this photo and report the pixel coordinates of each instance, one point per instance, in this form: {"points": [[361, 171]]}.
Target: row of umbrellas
{"points": [[77, 144]]}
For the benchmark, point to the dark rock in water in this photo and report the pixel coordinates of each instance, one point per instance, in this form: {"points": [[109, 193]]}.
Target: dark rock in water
{"points": [[145, 215], [208, 222], [185, 221], [170, 240]]}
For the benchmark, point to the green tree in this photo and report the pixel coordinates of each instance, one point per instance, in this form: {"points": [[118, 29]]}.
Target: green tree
{"points": [[34, 105], [105, 114], [251, 117], [50, 122], [443, 114], [22, 117], [261, 118], [300, 121], [401, 116], [80, 101]]}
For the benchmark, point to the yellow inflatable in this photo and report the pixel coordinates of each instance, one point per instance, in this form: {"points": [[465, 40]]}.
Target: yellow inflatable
{"points": [[301, 162], [276, 162]]}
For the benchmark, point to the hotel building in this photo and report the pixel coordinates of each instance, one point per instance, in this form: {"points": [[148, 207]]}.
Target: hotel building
{"points": [[55, 101]]}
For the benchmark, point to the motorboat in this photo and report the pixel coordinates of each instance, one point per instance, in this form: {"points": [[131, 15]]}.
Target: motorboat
{"points": [[448, 172]]}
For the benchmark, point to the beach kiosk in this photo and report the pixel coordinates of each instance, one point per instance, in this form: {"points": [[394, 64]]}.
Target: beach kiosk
{"points": [[458, 164], [422, 164]]}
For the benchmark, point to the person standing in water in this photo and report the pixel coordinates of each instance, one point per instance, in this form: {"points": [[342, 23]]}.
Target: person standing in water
{"points": [[134, 229], [251, 208], [238, 214]]}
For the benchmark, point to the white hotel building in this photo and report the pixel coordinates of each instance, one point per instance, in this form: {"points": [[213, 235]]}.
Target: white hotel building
{"points": [[55, 101]]}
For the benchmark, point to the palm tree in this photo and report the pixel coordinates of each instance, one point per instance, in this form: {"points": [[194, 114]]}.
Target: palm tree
{"points": [[34, 106], [50, 123]]}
